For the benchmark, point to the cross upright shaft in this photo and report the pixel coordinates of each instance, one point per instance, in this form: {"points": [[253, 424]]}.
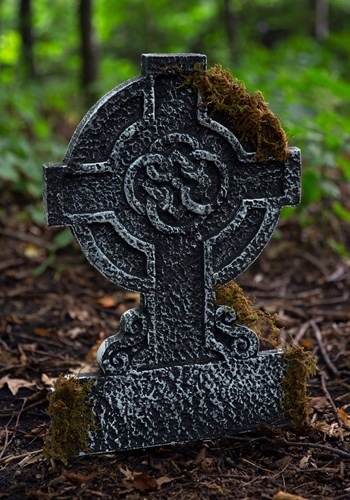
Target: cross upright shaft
{"points": [[180, 300]]}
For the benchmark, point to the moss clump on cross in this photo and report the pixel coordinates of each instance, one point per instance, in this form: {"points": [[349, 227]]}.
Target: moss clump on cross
{"points": [[250, 118], [71, 419]]}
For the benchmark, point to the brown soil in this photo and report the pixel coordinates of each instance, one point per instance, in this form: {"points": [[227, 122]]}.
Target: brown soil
{"points": [[52, 324]]}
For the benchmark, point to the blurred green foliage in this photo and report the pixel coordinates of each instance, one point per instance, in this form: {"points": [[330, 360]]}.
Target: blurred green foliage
{"points": [[269, 44]]}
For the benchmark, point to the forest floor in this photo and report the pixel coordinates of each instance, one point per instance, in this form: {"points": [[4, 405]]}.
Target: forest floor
{"points": [[52, 324]]}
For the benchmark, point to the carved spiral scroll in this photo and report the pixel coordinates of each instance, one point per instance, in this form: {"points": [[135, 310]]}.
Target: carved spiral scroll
{"points": [[244, 343], [116, 353]]}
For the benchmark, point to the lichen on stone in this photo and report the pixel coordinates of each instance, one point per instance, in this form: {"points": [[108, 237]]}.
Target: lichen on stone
{"points": [[261, 322], [71, 419], [249, 115], [300, 365]]}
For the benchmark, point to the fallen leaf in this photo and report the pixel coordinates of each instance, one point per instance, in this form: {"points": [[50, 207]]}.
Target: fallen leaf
{"points": [[126, 472], [331, 430], [281, 495], [75, 477], [138, 480], [201, 455], [283, 462], [141, 482], [107, 301], [7, 358], [73, 333], [163, 480], [13, 318], [307, 343], [41, 332], [318, 404], [49, 381], [37, 431], [14, 384], [344, 417], [91, 355], [304, 462], [79, 314], [30, 346], [132, 297], [121, 309]]}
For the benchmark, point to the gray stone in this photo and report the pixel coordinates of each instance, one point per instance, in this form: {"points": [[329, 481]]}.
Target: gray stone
{"points": [[165, 201]]}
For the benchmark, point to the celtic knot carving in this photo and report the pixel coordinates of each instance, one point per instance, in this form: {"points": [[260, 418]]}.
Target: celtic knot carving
{"points": [[176, 184]]}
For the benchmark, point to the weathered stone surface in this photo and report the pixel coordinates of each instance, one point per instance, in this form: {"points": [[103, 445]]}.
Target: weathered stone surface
{"points": [[187, 402], [165, 201]]}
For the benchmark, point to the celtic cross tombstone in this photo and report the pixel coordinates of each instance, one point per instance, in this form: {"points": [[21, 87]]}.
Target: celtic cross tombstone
{"points": [[165, 201]]}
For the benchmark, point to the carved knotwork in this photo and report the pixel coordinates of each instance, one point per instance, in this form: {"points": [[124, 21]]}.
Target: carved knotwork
{"points": [[176, 183]]}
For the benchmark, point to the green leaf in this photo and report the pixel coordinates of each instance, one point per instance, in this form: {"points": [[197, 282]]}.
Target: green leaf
{"points": [[62, 239], [342, 212], [311, 190]]}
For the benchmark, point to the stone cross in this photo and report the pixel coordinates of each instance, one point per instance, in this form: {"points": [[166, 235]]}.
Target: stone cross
{"points": [[165, 201]]}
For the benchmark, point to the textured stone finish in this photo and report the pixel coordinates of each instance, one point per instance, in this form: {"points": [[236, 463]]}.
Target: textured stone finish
{"points": [[165, 201]]}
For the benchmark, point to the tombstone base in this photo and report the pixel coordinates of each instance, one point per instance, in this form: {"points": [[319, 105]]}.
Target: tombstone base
{"points": [[185, 403]]}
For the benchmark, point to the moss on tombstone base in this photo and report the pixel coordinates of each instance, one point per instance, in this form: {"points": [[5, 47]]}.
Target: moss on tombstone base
{"points": [[300, 365], [71, 419], [249, 116]]}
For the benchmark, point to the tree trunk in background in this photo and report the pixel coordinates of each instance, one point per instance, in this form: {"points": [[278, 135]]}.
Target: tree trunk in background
{"points": [[230, 24], [321, 20], [89, 51], [26, 34]]}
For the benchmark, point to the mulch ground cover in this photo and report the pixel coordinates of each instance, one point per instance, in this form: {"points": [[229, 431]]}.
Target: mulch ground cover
{"points": [[52, 321]]}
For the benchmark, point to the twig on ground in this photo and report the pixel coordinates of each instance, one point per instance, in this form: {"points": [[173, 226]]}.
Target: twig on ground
{"points": [[26, 237], [331, 315], [314, 261], [334, 451], [330, 300], [324, 353], [304, 328], [11, 458], [6, 443], [10, 263], [330, 399]]}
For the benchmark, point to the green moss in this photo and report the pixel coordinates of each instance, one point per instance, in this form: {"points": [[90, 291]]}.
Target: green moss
{"points": [[300, 365], [261, 322], [250, 118], [71, 419]]}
